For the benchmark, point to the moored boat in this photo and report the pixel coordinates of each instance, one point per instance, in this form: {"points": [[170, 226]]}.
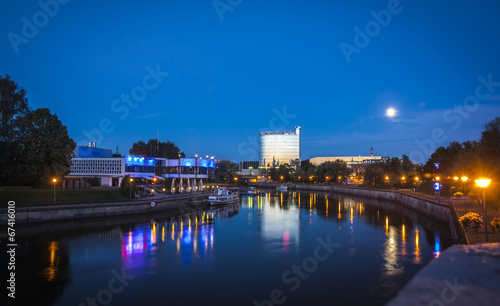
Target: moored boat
{"points": [[282, 188], [225, 195]]}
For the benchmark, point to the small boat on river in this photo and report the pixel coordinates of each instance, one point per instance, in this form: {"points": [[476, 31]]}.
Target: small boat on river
{"points": [[225, 195], [282, 188]]}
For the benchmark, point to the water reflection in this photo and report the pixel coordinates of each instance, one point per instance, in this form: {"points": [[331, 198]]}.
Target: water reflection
{"points": [[242, 246], [192, 233]]}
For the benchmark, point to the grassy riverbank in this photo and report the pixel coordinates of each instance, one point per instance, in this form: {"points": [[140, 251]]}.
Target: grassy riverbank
{"points": [[26, 196]]}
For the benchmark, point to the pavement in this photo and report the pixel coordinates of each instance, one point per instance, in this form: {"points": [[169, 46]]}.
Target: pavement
{"points": [[462, 275]]}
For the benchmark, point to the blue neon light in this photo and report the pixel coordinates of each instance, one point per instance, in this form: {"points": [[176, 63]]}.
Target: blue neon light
{"points": [[204, 164], [188, 164], [437, 245]]}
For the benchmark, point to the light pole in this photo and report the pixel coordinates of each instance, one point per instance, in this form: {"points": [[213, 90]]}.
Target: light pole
{"points": [[464, 179], [54, 180], [130, 183], [483, 183], [417, 181]]}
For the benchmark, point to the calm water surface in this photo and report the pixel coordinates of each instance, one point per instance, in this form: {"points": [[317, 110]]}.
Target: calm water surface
{"points": [[271, 246]]}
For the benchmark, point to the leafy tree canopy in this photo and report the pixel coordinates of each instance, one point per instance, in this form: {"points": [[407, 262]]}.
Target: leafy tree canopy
{"points": [[156, 148], [44, 148]]}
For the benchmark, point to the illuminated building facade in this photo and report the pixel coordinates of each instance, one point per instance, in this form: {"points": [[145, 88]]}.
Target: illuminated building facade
{"points": [[277, 148], [110, 171], [356, 163]]}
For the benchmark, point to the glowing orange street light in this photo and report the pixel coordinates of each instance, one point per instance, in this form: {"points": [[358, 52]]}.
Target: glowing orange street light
{"points": [[235, 178], [281, 177], [437, 178], [403, 178], [130, 195], [386, 178], [54, 180], [483, 183], [455, 178]]}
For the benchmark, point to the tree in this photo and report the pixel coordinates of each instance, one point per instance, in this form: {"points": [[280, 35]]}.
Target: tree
{"points": [[394, 169], [490, 141], [156, 148], [332, 171], [127, 187], [299, 174], [44, 148], [283, 170], [225, 170], [13, 105]]}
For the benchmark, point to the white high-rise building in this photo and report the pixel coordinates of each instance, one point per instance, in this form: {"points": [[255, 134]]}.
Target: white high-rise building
{"points": [[277, 148]]}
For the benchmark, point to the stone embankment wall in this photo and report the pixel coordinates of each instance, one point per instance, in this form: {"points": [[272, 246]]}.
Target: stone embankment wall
{"points": [[436, 211], [82, 211]]}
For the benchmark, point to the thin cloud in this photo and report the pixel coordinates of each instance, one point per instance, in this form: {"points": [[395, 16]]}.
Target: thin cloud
{"points": [[149, 116]]}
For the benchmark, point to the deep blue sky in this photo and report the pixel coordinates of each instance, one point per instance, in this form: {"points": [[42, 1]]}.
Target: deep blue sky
{"points": [[226, 76]]}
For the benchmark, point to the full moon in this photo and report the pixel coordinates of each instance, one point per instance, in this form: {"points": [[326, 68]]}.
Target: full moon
{"points": [[391, 112]]}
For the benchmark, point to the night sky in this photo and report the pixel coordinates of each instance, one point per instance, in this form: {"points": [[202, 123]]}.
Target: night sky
{"points": [[216, 77]]}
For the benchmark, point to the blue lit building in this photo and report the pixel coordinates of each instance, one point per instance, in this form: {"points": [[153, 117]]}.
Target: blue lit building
{"points": [[94, 163], [91, 151]]}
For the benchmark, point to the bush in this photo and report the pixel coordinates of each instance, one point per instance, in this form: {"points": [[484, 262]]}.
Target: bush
{"points": [[471, 220], [125, 187]]}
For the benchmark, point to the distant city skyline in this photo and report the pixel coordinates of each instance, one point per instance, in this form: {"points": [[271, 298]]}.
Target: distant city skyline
{"points": [[210, 79]]}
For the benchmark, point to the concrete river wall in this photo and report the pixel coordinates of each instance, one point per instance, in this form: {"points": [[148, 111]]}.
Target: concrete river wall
{"points": [[436, 211], [82, 211]]}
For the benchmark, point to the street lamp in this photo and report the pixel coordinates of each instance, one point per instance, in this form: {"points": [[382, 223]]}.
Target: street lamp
{"points": [[281, 177], [417, 181], [130, 183], [464, 179], [483, 183], [54, 180]]}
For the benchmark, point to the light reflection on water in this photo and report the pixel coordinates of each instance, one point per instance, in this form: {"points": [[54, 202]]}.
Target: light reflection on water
{"points": [[249, 246]]}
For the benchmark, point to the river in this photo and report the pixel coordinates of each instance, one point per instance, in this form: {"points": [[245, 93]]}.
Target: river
{"points": [[292, 248]]}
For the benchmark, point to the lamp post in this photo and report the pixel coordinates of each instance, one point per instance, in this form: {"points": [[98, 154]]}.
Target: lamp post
{"points": [[464, 179], [483, 183], [195, 169], [417, 181], [130, 183], [456, 179], [54, 180]]}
